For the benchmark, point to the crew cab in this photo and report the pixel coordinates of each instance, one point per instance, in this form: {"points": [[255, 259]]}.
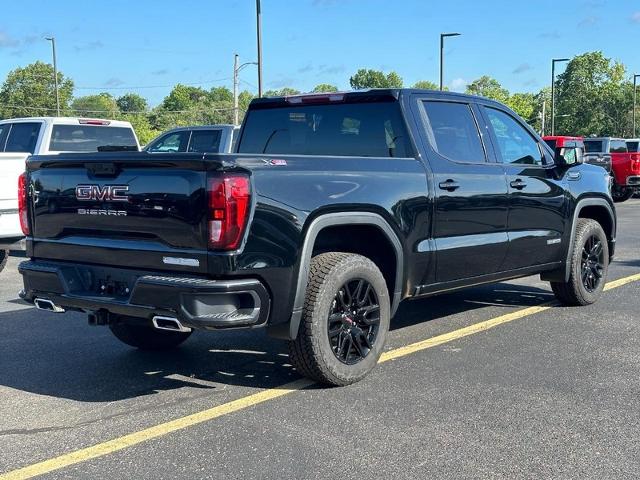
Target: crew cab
{"points": [[335, 208], [200, 139], [21, 137], [561, 141], [625, 164]]}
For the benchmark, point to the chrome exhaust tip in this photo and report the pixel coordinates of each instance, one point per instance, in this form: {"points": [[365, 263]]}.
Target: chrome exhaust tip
{"points": [[47, 305], [169, 323]]}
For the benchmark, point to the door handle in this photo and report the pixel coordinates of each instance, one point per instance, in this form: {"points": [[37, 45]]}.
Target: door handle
{"points": [[449, 185], [518, 184]]}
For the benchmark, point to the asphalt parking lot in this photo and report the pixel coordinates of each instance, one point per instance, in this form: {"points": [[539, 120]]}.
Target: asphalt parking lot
{"points": [[543, 393]]}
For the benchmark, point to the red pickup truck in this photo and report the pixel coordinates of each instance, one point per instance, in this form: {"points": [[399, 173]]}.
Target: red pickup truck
{"points": [[559, 141], [625, 165]]}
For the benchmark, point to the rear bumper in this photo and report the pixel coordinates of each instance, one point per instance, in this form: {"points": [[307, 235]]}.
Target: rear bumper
{"points": [[197, 303], [633, 181]]}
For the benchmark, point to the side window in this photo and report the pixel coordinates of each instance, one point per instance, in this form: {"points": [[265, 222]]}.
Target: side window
{"points": [[23, 138], [454, 133], [515, 143], [205, 141], [4, 129], [170, 143], [618, 146]]}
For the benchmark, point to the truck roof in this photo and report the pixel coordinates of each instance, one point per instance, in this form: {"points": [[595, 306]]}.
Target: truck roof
{"points": [[67, 121]]}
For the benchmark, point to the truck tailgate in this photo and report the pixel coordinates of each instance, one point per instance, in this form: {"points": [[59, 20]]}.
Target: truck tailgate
{"points": [[127, 210]]}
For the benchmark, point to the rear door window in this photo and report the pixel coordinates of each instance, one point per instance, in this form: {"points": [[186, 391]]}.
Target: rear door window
{"points": [[23, 137], [338, 129], [171, 143], [87, 138], [631, 146], [205, 141], [453, 131], [515, 143], [594, 146]]}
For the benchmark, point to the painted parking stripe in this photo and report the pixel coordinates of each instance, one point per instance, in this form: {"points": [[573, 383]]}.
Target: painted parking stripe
{"points": [[182, 423]]}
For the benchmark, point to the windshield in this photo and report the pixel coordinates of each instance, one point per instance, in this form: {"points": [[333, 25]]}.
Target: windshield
{"points": [[87, 138], [353, 129], [594, 146]]}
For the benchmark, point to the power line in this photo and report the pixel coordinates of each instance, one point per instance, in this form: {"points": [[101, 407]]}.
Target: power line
{"points": [[130, 87], [117, 112]]}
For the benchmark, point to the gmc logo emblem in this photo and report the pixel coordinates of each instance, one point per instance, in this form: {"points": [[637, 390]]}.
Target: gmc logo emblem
{"points": [[107, 193]]}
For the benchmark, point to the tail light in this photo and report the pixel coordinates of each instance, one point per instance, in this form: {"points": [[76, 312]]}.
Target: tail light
{"points": [[22, 204], [229, 206], [635, 163]]}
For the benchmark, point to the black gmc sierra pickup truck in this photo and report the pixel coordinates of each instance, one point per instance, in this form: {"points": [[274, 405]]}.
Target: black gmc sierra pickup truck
{"points": [[333, 210]]}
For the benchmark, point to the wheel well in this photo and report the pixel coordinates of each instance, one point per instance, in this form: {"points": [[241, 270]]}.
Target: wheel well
{"points": [[600, 215], [366, 240]]}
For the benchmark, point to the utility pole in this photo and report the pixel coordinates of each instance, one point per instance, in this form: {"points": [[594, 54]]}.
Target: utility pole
{"points": [[553, 92], [55, 73], [442, 37], [259, 34], [635, 98], [236, 81]]}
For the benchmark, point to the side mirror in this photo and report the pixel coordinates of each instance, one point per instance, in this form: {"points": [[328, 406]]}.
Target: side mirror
{"points": [[569, 156]]}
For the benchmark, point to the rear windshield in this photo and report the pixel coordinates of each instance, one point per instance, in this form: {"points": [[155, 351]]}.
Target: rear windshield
{"points": [[87, 138], [594, 146], [551, 143], [351, 129], [633, 146]]}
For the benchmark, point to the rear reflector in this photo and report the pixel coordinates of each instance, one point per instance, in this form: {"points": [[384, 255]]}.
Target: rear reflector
{"points": [[22, 204], [229, 206]]}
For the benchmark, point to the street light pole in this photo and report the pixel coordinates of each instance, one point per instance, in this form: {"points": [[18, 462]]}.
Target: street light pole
{"points": [[442, 37], [553, 92], [259, 33], [635, 98], [236, 80], [55, 73]]}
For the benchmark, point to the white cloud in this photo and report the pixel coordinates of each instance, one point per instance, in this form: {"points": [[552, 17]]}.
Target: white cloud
{"points": [[635, 17], [459, 84]]}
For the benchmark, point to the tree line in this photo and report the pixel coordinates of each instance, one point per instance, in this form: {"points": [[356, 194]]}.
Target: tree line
{"points": [[594, 96]]}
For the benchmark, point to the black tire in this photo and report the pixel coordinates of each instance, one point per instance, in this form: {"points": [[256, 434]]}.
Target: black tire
{"points": [[4, 256], [146, 337], [586, 280], [621, 194], [312, 353]]}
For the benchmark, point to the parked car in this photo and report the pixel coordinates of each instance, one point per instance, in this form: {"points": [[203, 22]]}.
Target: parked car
{"points": [[625, 165], [21, 137], [561, 141], [334, 209], [202, 139]]}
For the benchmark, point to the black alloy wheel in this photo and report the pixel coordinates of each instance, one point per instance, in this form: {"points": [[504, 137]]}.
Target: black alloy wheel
{"points": [[354, 321], [593, 263]]}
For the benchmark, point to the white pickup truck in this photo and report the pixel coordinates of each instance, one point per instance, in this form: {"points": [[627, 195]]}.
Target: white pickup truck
{"points": [[21, 137]]}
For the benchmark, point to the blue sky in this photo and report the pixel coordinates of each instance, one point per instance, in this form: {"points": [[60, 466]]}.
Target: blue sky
{"points": [[147, 46]]}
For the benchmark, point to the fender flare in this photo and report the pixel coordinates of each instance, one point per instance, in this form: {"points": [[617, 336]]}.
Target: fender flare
{"points": [[587, 202], [332, 220]]}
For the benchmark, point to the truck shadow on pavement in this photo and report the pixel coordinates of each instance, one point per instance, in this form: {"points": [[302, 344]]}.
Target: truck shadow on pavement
{"points": [[61, 356]]}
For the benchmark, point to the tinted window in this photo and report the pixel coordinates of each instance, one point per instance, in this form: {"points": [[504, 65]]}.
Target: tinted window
{"points": [[594, 146], [205, 141], [618, 146], [631, 146], [23, 137], [551, 143], [170, 143], [4, 129], [87, 138], [356, 129], [515, 143], [454, 131]]}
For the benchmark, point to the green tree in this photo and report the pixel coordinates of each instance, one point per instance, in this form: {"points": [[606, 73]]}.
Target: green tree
{"points": [[221, 94], [29, 91], [524, 104], [427, 85], [132, 102], [592, 97], [325, 88], [488, 87], [367, 78], [184, 97], [283, 92], [100, 105]]}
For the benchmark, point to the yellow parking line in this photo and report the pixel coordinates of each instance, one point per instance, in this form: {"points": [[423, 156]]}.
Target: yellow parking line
{"points": [[147, 434]]}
